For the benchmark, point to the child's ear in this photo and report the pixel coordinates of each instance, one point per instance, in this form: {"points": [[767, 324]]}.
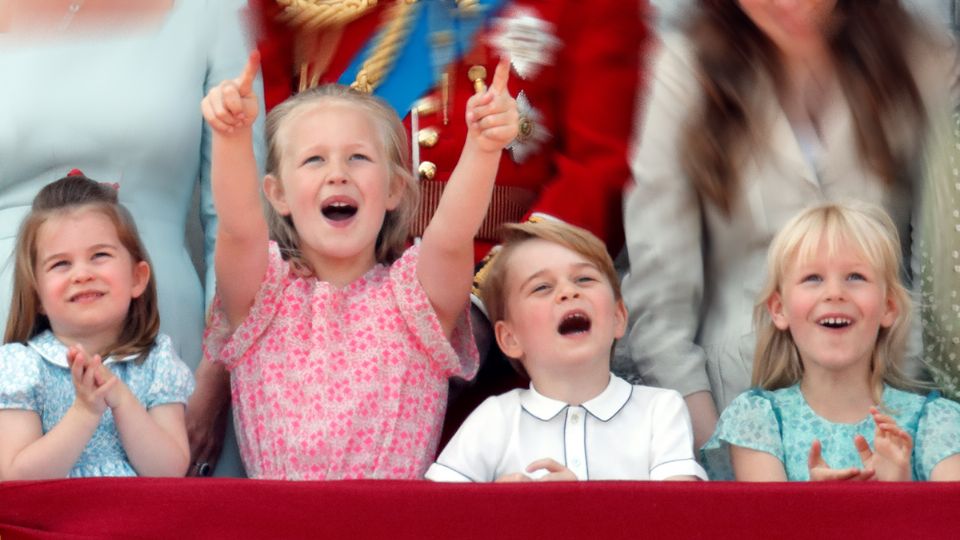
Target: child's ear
{"points": [[620, 319], [892, 311], [141, 276], [273, 189], [775, 308], [396, 192], [507, 340]]}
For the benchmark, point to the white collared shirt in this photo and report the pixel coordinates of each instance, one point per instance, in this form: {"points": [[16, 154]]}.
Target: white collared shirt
{"points": [[625, 433]]}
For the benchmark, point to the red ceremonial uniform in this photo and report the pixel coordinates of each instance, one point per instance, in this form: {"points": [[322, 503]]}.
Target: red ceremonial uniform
{"points": [[577, 66]]}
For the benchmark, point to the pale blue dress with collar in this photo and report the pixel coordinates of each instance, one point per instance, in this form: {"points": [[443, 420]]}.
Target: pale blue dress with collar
{"points": [[36, 377], [781, 423]]}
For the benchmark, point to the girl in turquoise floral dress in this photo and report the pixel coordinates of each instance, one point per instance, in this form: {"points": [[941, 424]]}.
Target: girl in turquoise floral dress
{"points": [[828, 401], [87, 386]]}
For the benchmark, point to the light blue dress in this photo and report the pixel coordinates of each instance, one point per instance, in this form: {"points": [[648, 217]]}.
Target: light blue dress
{"points": [[124, 106], [36, 377], [781, 423]]}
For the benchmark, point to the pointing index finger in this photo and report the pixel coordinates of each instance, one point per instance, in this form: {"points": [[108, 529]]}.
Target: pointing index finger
{"points": [[245, 80]]}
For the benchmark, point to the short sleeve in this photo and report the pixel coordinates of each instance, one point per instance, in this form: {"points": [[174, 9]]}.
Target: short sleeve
{"points": [[938, 435], [671, 443], [172, 379], [750, 421], [454, 357], [474, 451], [222, 346], [19, 378]]}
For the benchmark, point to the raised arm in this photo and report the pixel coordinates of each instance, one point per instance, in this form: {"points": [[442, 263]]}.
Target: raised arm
{"points": [[446, 254], [240, 255]]}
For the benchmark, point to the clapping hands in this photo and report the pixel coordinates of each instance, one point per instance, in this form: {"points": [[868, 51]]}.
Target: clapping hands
{"points": [[492, 116], [888, 461], [95, 385]]}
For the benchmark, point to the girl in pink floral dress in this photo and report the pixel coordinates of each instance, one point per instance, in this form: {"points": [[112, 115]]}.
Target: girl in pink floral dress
{"points": [[339, 341]]}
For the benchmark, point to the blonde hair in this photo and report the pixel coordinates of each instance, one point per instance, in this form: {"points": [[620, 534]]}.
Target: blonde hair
{"points": [[394, 233], [869, 230], [493, 289], [65, 196]]}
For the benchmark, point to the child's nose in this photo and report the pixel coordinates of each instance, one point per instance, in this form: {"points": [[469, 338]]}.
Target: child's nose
{"points": [[834, 289], [81, 274], [337, 179], [567, 293]]}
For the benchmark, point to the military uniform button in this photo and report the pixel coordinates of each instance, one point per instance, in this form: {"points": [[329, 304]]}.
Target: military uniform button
{"points": [[427, 105], [427, 170], [427, 137]]}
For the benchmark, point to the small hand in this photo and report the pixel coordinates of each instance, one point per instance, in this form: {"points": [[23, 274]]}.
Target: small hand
{"points": [[113, 387], [821, 472], [492, 117], [232, 104], [83, 370], [894, 447], [555, 471]]}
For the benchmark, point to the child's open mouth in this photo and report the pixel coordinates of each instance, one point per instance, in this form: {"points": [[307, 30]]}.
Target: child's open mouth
{"points": [[835, 322], [339, 211], [575, 322]]}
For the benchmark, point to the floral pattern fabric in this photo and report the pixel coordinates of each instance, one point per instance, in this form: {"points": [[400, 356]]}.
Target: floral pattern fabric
{"points": [[332, 383]]}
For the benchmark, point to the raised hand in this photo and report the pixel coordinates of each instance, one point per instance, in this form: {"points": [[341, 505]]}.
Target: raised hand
{"points": [[232, 104], [893, 449], [90, 396], [821, 472], [492, 116]]}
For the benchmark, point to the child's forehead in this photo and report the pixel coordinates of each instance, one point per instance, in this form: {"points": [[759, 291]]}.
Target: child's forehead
{"points": [[536, 255], [818, 247]]}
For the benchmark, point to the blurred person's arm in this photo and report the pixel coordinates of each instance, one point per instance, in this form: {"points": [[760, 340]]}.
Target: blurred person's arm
{"points": [[599, 80], [663, 224]]}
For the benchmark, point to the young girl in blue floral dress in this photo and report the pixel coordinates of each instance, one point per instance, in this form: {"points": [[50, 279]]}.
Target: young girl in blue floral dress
{"points": [[827, 402], [87, 386]]}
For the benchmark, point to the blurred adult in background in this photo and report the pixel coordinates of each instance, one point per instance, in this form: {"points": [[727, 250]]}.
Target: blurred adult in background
{"points": [[113, 87], [758, 109]]}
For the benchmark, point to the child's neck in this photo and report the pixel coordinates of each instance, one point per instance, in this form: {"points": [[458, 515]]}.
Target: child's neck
{"points": [[573, 385], [845, 400], [340, 272], [92, 344]]}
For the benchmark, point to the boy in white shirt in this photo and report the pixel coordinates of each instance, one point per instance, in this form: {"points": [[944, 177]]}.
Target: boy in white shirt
{"points": [[554, 297]]}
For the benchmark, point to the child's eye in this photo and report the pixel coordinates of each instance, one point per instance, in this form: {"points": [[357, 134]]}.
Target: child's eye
{"points": [[856, 276], [313, 159], [812, 278], [540, 288], [361, 157], [102, 254], [586, 279], [58, 265]]}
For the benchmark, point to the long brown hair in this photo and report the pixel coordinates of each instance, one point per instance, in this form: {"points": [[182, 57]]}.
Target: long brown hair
{"points": [[72, 194], [869, 43], [394, 233]]}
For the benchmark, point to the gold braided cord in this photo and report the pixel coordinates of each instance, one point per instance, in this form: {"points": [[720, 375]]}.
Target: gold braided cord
{"points": [[313, 15], [385, 52]]}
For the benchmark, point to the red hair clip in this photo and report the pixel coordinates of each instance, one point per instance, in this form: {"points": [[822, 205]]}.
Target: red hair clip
{"points": [[75, 172]]}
